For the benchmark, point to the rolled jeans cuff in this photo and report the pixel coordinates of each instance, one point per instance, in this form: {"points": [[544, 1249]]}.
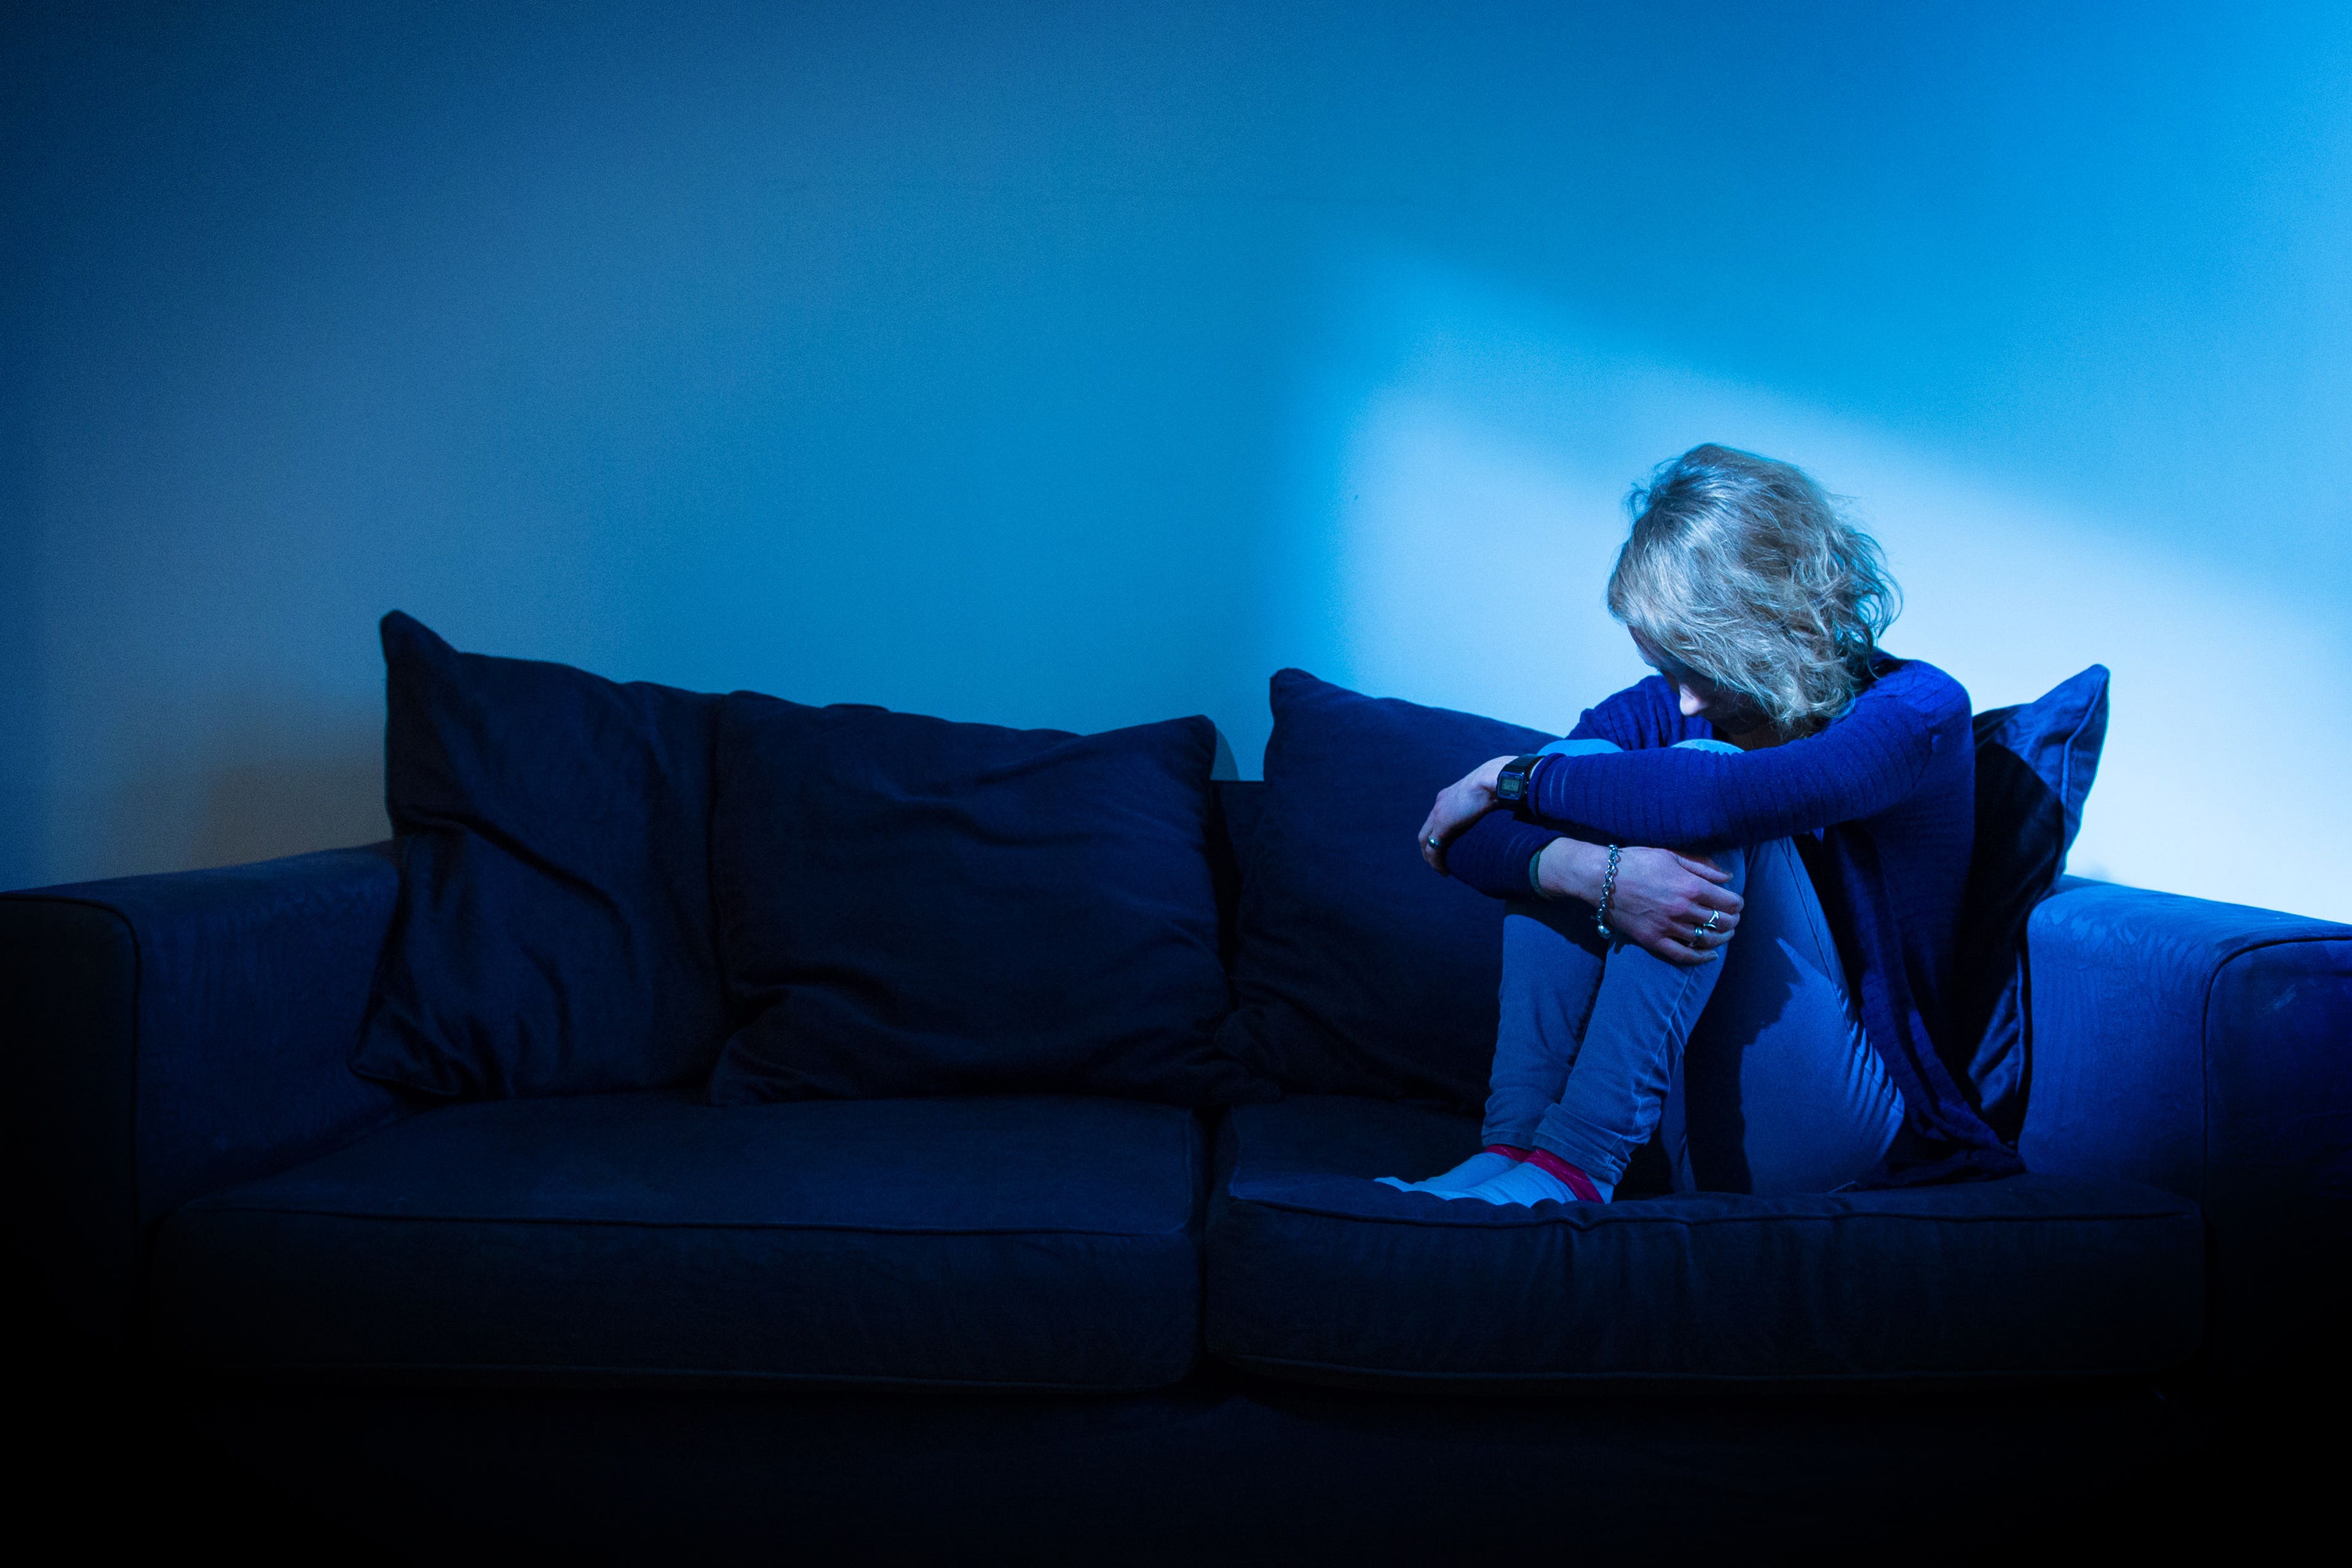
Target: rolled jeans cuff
{"points": [[1591, 1158]]}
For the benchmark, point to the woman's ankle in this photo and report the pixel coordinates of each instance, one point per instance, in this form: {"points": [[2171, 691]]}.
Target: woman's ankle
{"points": [[1579, 1182]]}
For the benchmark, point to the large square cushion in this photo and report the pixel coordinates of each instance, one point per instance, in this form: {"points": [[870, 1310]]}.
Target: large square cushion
{"points": [[908, 905], [554, 932], [1355, 971], [1017, 1241], [1317, 1272]]}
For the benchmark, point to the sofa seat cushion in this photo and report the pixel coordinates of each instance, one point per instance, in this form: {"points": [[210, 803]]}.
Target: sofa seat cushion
{"points": [[1045, 1241], [1319, 1273]]}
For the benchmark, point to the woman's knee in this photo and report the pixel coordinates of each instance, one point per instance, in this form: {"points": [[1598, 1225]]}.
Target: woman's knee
{"points": [[1590, 746], [1532, 926]]}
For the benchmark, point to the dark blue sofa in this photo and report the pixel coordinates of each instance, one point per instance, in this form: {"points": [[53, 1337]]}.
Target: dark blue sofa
{"points": [[1041, 1327]]}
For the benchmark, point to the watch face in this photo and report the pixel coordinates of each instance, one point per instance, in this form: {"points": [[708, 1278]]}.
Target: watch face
{"points": [[1510, 786]]}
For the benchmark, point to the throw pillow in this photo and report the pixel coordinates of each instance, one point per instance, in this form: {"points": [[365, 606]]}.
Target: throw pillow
{"points": [[2034, 764], [553, 931], [1355, 970], [908, 905]]}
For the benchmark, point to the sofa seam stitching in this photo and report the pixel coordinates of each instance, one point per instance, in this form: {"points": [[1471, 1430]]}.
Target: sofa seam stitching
{"points": [[549, 1370], [2195, 1212], [1245, 1358], [206, 1207]]}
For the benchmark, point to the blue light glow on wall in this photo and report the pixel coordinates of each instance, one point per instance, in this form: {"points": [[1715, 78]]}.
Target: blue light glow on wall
{"points": [[1078, 366], [1474, 470]]}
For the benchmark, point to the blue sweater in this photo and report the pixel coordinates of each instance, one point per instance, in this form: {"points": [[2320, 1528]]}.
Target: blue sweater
{"points": [[1882, 806]]}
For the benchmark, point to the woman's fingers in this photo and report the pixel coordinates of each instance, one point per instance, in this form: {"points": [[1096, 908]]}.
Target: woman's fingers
{"points": [[1707, 906], [1669, 945], [1715, 915], [1714, 898], [1663, 901], [1447, 815], [1458, 804], [1700, 866], [1696, 903]]}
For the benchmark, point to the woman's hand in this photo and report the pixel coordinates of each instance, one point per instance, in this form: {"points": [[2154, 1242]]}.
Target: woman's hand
{"points": [[1659, 901], [1459, 804], [1662, 898]]}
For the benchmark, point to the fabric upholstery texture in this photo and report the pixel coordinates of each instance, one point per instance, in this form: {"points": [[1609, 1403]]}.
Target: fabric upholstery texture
{"points": [[1316, 1271], [1043, 1242], [169, 1036], [910, 906], [2035, 762], [2201, 1046], [555, 930], [1355, 971]]}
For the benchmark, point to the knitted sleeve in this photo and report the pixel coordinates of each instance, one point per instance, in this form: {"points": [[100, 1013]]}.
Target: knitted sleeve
{"points": [[1860, 766], [1642, 717], [1492, 854]]}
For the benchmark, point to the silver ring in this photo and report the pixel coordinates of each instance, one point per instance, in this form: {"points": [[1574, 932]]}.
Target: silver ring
{"points": [[1708, 923], [1434, 842]]}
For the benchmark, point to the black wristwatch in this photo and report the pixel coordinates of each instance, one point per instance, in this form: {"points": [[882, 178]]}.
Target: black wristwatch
{"points": [[1512, 789]]}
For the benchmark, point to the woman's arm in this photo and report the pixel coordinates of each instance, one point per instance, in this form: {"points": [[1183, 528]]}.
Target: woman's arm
{"points": [[1642, 717], [1658, 901], [1659, 897], [1860, 766], [1644, 714], [1492, 854]]}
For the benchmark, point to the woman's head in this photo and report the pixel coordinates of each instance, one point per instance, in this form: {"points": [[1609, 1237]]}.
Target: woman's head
{"points": [[1740, 572]]}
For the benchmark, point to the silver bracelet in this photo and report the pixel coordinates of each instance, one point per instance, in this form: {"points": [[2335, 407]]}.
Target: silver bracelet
{"points": [[1608, 887]]}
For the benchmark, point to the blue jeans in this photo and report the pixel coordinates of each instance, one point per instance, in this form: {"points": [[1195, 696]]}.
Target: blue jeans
{"points": [[1753, 1070]]}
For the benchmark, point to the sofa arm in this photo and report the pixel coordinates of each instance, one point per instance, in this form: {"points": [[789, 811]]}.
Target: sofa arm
{"points": [[169, 1036], [2207, 1048]]}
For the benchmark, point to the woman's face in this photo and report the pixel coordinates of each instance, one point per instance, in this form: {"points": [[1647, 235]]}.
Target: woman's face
{"points": [[1733, 716]]}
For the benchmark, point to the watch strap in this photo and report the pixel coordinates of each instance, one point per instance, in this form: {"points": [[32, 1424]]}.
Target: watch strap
{"points": [[1514, 787]]}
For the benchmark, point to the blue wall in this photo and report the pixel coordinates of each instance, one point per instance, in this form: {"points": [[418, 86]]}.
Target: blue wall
{"points": [[1078, 365]]}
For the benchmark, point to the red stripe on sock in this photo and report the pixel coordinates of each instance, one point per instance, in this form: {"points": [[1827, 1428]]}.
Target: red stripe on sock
{"points": [[1577, 1182], [1508, 1151]]}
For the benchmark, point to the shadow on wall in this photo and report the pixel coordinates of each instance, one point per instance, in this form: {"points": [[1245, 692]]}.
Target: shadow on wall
{"points": [[258, 791]]}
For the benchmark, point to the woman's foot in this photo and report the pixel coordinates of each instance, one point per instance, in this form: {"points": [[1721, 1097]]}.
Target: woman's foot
{"points": [[1457, 1182], [1543, 1177]]}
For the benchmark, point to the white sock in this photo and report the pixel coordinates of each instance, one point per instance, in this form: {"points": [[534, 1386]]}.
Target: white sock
{"points": [[1528, 1183], [1457, 1182]]}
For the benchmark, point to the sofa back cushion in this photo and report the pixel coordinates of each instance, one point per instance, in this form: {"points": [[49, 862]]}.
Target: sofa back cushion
{"points": [[554, 932], [2035, 762], [908, 905], [1355, 970]]}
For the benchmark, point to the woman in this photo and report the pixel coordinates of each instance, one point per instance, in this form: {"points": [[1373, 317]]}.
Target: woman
{"points": [[1732, 891]]}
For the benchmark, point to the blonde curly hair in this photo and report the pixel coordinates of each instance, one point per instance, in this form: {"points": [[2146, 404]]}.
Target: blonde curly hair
{"points": [[1741, 568]]}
